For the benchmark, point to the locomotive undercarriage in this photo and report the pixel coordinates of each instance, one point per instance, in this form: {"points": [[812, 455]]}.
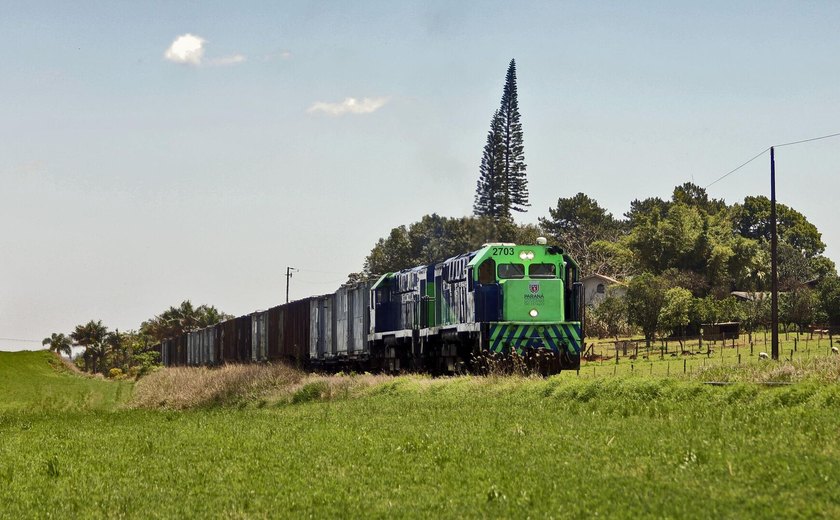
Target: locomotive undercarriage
{"points": [[454, 352]]}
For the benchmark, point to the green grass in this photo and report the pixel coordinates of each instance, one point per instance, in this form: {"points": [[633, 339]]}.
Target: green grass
{"points": [[731, 355], [464, 447], [39, 381]]}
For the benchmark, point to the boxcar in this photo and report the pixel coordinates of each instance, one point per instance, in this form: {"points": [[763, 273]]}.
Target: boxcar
{"points": [[259, 336], [295, 333], [321, 345]]}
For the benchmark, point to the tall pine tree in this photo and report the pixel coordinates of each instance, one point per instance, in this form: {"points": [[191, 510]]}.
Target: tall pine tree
{"points": [[503, 185], [488, 193]]}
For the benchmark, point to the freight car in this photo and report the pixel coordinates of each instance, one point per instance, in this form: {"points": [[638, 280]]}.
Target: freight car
{"points": [[442, 317]]}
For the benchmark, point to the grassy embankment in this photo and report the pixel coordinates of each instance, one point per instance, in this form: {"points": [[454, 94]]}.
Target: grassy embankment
{"points": [[281, 443], [39, 381]]}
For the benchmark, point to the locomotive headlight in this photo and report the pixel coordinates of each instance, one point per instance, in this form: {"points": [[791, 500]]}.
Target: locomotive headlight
{"points": [[534, 313], [526, 255]]}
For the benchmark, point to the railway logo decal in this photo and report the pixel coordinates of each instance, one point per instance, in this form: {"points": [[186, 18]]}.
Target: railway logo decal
{"points": [[534, 287]]}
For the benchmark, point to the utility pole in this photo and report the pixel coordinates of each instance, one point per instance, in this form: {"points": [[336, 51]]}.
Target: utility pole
{"points": [[774, 275], [289, 271]]}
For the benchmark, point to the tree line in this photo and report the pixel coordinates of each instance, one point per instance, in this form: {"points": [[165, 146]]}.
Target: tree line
{"points": [[115, 353], [656, 307], [681, 258]]}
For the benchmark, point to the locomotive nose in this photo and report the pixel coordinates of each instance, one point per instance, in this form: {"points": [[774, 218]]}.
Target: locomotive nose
{"points": [[532, 301]]}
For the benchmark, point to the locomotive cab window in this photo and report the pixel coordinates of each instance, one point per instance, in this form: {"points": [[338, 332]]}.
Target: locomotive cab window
{"points": [[487, 272], [511, 271], [542, 271]]}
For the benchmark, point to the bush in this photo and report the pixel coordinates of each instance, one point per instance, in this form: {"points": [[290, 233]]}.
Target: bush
{"points": [[314, 391], [115, 373]]}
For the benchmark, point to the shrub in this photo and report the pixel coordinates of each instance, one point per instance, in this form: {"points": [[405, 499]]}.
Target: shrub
{"points": [[314, 391]]}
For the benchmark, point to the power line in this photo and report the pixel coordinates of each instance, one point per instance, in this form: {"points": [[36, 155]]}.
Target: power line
{"points": [[727, 174], [322, 282], [319, 272], [19, 339], [808, 140]]}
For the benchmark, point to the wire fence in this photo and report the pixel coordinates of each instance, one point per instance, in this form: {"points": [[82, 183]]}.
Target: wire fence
{"points": [[674, 357]]}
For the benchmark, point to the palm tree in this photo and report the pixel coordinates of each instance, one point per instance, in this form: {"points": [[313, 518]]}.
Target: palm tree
{"points": [[59, 343], [91, 336], [185, 318], [115, 343]]}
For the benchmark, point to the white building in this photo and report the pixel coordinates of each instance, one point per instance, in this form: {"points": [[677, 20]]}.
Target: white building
{"points": [[595, 288]]}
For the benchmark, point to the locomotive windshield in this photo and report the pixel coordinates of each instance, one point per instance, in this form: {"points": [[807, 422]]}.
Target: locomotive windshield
{"points": [[507, 271], [542, 271]]}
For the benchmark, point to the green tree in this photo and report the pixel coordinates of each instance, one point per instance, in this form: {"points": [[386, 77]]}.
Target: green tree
{"points": [[643, 209], [718, 310], [489, 192], [577, 224], [798, 307], [794, 269], [669, 241], [116, 346], [435, 238], [614, 258], [684, 238], [92, 336], [752, 220], [390, 254], [503, 184], [59, 343], [749, 265], [691, 194], [676, 312], [821, 267], [715, 249], [608, 317], [174, 321], [645, 299], [829, 299], [515, 182], [755, 312]]}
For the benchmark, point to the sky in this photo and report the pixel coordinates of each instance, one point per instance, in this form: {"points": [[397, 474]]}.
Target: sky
{"points": [[156, 152]]}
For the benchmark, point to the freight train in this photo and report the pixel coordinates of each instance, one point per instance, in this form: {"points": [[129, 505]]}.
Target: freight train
{"points": [[443, 317]]}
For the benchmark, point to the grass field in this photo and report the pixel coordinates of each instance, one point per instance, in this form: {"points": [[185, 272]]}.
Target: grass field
{"points": [[671, 360], [629, 446]]}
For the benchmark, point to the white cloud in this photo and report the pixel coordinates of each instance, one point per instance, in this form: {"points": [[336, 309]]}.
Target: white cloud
{"points": [[187, 49], [233, 59], [349, 106], [278, 55]]}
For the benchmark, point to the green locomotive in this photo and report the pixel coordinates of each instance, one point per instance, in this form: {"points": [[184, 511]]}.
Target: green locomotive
{"points": [[501, 299]]}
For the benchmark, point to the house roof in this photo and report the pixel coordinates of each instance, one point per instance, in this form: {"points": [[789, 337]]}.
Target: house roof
{"points": [[601, 277], [750, 296]]}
